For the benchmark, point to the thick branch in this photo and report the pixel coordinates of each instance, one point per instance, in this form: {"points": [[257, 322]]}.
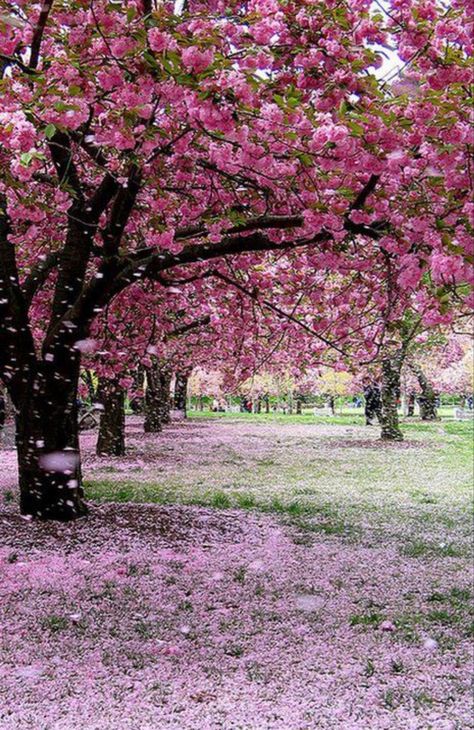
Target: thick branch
{"points": [[61, 153], [38, 275], [39, 32], [120, 213], [99, 201], [117, 273], [369, 188], [183, 328]]}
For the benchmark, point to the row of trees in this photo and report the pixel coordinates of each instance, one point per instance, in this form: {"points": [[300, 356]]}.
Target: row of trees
{"points": [[422, 382], [240, 169]]}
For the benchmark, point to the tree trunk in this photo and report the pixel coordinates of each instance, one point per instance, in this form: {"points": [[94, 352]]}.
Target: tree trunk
{"points": [[153, 400], [391, 367], [411, 404], [180, 391], [49, 464], [111, 440], [136, 403], [267, 403], [427, 399], [165, 400], [298, 405], [331, 404]]}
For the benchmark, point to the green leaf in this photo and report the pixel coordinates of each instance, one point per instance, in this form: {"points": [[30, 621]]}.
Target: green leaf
{"points": [[305, 159], [167, 65], [356, 129], [26, 158], [61, 106], [50, 131], [279, 100]]}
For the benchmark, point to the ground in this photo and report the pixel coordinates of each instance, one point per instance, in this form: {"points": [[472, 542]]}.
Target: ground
{"points": [[285, 573]]}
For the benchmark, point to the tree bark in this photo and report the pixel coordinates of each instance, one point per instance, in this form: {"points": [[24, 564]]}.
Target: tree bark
{"points": [[153, 399], [411, 404], [298, 405], [427, 399], [111, 440], [181, 391], [136, 403], [165, 399], [331, 404], [47, 440], [391, 368]]}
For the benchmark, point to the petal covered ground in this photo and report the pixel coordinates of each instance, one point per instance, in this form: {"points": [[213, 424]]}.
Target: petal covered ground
{"points": [[179, 616]]}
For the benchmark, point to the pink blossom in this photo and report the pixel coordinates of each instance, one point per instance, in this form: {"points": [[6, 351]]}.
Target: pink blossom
{"points": [[196, 60]]}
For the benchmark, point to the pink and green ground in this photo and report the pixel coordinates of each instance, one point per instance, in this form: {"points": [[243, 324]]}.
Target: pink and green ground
{"points": [[246, 574]]}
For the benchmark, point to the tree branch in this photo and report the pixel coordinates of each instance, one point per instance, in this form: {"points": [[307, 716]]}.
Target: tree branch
{"points": [[120, 213], [38, 275], [61, 153], [280, 312], [39, 32], [369, 188], [183, 328]]}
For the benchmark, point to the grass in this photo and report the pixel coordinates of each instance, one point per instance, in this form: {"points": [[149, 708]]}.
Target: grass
{"points": [[343, 415], [373, 618], [336, 481], [419, 548]]}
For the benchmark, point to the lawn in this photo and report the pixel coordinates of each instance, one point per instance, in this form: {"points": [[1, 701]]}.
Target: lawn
{"points": [[332, 471], [247, 572]]}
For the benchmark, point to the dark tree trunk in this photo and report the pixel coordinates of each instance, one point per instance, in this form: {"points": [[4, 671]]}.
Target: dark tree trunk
{"points": [[165, 399], [137, 403], [267, 404], [298, 405], [139, 378], [427, 399], [391, 367], [331, 404], [411, 404], [47, 439], [111, 440], [153, 400], [181, 391], [259, 405]]}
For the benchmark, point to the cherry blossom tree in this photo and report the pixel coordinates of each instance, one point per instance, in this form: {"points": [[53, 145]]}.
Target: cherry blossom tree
{"points": [[139, 144]]}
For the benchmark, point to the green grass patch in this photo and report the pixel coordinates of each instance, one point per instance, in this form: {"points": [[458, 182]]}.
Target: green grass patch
{"points": [[373, 618], [419, 548]]}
